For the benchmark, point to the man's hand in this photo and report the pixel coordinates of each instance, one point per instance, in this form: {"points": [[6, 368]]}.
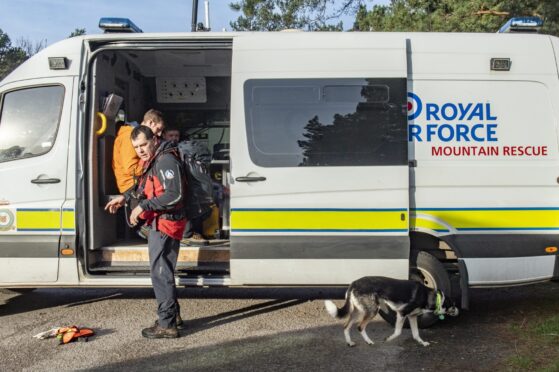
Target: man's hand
{"points": [[135, 214], [113, 205]]}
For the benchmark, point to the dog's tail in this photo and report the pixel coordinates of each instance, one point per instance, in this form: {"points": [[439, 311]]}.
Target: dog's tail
{"points": [[341, 312]]}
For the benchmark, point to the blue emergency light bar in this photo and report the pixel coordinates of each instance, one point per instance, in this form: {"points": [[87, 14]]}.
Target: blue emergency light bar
{"points": [[110, 24], [522, 24]]}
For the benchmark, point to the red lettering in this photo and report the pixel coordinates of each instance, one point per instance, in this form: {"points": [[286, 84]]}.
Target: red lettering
{"points": [[489, 151], [525, 150]]}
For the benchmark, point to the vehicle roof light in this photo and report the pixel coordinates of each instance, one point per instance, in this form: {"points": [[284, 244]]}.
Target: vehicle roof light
{"points": [[110, 24], [522, 24]]}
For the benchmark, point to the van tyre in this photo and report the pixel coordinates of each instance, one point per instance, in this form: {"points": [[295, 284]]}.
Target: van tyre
{"points": [[427, 270]]}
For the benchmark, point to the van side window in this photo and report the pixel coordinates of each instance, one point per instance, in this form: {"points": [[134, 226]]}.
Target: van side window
{"points": [[326, 122], [29, 121]]}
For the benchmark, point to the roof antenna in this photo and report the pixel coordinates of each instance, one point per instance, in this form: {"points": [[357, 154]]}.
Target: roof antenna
{"points": [[194, 15], [207, 11]]}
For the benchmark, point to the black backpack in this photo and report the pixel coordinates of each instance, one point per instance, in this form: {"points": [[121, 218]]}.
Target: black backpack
{"points": [[196, 157]]}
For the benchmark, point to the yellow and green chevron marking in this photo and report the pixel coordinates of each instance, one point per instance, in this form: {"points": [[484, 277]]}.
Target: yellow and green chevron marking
{"points": [[485, 219]]}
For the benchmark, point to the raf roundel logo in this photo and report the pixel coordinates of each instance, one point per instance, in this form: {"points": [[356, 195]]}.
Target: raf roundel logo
{"points": [[6, 219], [169, 174], [414, 106]]}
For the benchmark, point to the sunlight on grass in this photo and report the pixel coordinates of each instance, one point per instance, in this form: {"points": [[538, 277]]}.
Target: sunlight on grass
{"points": [[549, 327], [521, 362], [537, 340]]}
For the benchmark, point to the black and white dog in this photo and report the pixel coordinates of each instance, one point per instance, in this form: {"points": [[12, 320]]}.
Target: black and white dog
{"points": [[407, 298]]}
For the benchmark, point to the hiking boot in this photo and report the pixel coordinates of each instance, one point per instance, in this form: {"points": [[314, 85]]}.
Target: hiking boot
{"points": [[178, 322], [158, 332], [196, 239]]}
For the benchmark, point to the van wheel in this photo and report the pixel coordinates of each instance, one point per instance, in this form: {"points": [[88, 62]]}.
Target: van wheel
{"points": [[430, 272]]}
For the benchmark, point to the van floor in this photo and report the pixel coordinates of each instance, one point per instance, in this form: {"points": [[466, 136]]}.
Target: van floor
{"points": [[132, 257]]}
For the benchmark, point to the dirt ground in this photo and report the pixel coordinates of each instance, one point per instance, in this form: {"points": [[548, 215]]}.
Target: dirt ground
{"points": [[488, 335], [268, 329]]}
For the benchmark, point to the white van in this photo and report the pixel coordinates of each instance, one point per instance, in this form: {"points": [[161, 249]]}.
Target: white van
{"points": [[341, 155]]}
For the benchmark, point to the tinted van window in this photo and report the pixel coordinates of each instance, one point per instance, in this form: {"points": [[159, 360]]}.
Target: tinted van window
{"points": [[326, 122]]}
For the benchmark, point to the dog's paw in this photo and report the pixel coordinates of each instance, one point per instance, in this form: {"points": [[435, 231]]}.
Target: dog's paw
{"points": [[370, 343], [351, 344], [425, 343]]}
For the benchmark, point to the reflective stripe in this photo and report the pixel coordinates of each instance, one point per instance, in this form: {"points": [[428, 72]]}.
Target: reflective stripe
{"points": [[45, 220], [68, 220], [425, 223], [485, 219], [319, 220]]}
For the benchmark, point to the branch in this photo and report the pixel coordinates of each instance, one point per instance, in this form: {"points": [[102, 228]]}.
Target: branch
{"points": [[492, 12]]}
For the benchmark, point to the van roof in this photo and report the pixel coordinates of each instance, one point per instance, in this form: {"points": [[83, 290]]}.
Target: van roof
{"points": [[537, 46]]}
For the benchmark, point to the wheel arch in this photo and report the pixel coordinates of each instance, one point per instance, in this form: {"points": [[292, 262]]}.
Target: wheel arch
{"points": [[445, 250]]}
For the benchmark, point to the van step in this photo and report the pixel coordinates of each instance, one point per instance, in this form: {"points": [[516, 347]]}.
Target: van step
{"points": [[188, 254], [143, 267], [134, 258]]}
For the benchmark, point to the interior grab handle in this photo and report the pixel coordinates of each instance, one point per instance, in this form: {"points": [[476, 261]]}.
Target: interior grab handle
{"points": [[103, 126], [250, 179], [41, 181]]}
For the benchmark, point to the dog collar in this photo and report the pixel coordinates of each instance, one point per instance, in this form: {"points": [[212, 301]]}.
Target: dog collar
{"points": [[438, 306]]}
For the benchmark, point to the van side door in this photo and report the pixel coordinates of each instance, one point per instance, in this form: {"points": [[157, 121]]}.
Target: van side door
{"points": [[320, 180], [34, 141]]}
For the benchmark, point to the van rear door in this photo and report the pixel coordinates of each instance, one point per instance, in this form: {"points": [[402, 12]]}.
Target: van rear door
{"points": [[319, 165], [34, 131]]}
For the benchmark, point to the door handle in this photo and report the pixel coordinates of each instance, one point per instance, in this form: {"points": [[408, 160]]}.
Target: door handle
{"points": [[41, 181], [250, 179]]}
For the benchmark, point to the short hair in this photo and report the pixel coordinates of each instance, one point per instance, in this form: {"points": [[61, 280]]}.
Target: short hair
{"points": [[155, 115], [141, 129]]}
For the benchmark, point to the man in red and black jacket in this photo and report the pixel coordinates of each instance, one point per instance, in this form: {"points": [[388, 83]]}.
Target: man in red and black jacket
{"points": [[163, 183]]}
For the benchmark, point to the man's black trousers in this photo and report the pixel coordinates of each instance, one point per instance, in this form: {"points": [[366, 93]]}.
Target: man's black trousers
{"points": [[163, 255]]}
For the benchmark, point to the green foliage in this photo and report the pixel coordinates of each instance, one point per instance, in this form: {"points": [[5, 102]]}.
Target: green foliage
{"points": [[521, 363], [455, 15], [10, 56], [78, 32], [536, 342], [553, 367], [548, 327], [275, 15], [399, 15]]}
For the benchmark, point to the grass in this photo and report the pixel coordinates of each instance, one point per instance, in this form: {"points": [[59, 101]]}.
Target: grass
{"points": [[536, 344], [549, 327]]}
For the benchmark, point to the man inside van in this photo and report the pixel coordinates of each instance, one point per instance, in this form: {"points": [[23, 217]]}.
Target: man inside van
{"points": [[163, 184], [172, 134], [126, 164]]}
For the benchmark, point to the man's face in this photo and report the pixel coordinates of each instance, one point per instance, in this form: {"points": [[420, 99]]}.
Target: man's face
{"points": [[172, 135], [144, 148], [156, 126]]}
